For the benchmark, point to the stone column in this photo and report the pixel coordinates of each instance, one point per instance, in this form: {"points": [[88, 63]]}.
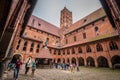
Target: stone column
{"points": [[110, 63], [96, 64]]}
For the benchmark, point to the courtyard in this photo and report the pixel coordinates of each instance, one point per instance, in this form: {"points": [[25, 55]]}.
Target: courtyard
{"points": [[85, 73]]}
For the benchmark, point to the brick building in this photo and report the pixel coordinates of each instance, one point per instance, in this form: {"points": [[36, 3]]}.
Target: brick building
{"points": [[90, 41], [14, 15], [112, 8]]}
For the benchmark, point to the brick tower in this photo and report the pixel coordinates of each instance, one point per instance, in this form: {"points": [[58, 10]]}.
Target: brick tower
{"points": [[65, 23], [65, 19]]}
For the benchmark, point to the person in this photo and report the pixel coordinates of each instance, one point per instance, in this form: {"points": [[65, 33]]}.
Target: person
{"points": [[77, 67], [17, 68], [27, 65], [33, 67]]}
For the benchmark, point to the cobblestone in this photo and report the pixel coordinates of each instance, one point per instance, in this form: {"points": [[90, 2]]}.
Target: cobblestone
{"points": [[85, 73]]}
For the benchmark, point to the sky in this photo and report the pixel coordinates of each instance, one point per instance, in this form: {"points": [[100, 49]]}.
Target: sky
{"points": [[49, 10]]}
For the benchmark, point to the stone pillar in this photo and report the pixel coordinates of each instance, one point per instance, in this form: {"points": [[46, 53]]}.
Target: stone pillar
{"points": [[96, 64], [110, 63], [85, 62]]}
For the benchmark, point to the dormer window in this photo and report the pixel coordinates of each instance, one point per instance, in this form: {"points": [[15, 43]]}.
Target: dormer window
{"points": [[85, 20], [39, 24]]}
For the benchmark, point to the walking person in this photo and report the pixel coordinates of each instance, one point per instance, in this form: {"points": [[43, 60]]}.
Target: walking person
{"points": [[17, 68], [27, 65], [33, 67]]}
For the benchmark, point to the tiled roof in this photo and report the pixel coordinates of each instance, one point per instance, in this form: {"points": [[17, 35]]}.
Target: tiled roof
{"points": [[43, 25], [88, 19]]}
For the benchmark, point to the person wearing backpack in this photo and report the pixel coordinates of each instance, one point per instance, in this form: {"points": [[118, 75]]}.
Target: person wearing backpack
{"points": [[33, 67]]}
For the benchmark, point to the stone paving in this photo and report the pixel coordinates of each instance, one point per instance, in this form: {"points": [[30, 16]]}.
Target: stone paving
{"points": [[85, 73]]}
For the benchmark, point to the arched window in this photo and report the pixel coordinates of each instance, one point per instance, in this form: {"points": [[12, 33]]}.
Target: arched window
{"points": [[38, 47], [96, 29], [73, 51], [54, 52], [99, 47], [68, 52], [18, 44], [88, 49], [31, 48], [25, 45], [59, 52], [113, 46], [74, 38], [63, 52], [79, 50]]}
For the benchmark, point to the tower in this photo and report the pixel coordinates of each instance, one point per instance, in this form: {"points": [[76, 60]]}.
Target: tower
{"points": [[65, 18], [65, 22]]}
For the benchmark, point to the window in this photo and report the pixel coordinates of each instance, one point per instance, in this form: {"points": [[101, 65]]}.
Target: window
{"points": [[31, 48], [25, 45], [79, 50], [63, 52], [73, 51], [59, 52], [88, 49], [84, 35], [96, 29], [74, 38], [38, 47], [50, 51], [33, 21], [39, 24], [18, 44], [54, 52], [113, 46], [68, 52], [99, 47]]}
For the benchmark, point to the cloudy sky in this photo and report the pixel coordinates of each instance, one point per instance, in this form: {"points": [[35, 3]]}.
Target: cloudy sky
{"points": [[49, 10]]}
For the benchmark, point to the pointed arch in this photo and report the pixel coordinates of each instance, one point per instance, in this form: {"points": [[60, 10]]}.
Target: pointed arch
{"points": [[99, 47], [113, 45]]}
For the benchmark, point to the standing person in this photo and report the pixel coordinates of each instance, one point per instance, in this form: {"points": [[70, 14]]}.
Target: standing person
{"points": [[33, 67], [27, 65], [17, 68]]}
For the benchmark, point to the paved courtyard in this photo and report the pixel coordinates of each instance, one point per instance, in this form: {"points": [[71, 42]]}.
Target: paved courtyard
{"points": [[85, 73]]}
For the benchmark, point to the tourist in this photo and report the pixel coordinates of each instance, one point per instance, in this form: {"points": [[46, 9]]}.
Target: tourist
{"points": [[27, 65], [17, 68], [33, 67]]}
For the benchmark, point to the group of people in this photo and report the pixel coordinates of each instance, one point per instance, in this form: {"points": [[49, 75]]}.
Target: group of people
{"points": [[16, 64], [64, 66]]}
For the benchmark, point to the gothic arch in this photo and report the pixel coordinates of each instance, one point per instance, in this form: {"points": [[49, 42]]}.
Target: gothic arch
{"points": [[73, 60], [113, 45], [58, 60], [68, 60], [81, 61], [90, 61], [99, 47], [63, 60], [115, 59], [16, 56], [102, 62]]}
